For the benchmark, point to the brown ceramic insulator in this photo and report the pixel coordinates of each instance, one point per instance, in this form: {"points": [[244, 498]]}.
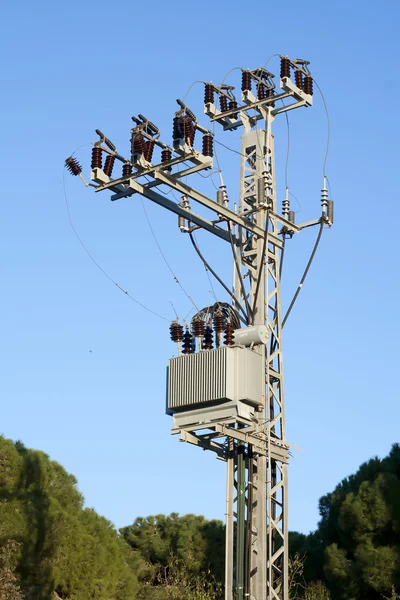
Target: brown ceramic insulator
{"points": [[246, 81], [208, 338], [219, 321], [260, 91], [269, 94], [176, 331], [208, 145], [229, 334], [187, 346], [308, 85], [193, 135], [73, 166], [285, 67], [208, 94], [138, 144], [232, 106], [198, 327], [223, 103], [96, 158], [149, 149], [175, 129], [186, 127], [126, 169], [298, 78], [166, 155], [108, 165]]}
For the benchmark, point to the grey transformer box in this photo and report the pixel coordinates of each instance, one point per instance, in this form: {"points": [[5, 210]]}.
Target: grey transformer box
{"points": [[224, 383]]}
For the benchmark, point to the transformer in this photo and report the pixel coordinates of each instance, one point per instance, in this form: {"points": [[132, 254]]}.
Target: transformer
{"points": [[219, 384]]}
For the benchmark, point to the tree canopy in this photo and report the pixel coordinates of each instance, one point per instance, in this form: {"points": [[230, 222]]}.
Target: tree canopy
{"points": [[58, 547], [356, 546]]}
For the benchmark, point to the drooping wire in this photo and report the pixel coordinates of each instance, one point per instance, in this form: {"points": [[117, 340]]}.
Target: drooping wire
{"points": [[248, 308], [190, 87], [328, 120], [229, 72], [97, 264], [304, 274], [220, 281], [268, 59], [219, 307], [261, 267], [164, 257]]}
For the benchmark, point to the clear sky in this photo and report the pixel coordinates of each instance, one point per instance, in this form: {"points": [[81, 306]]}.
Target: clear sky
{"points": [[82, 366]]}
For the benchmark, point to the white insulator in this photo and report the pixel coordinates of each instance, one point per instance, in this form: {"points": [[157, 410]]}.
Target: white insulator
{"points": [[256, 334]]}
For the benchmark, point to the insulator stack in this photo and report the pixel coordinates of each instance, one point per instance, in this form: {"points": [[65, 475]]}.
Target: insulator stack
{"points": [[219, 322], [126, 169], [219, 326], [149, 149], [208, 338], [176, 331], [73, 166], [187, 346], [229, 334], [187, 129], [208, 145], [285, 208], [193, 135], [246, 81], [208, 94], [96, 157], [175, 129], [232, 105], [138, 144], [298, 78], [108, 165], [260, 91], [308, 85], [223, 103], [285, 67], [269, 94], [198, 327], [166, 155]]}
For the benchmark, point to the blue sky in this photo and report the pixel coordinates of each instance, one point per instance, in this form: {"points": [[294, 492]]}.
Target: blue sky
{"points": [[83, 367]]}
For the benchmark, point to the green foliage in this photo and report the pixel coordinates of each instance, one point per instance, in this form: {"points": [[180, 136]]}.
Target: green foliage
{"points": [[356, 547], [198, 544], [62, 547], [175, 582], [9, 588]]}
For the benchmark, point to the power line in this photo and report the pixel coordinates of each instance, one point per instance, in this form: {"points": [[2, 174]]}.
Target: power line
{"points": [[97, 264], [220, 281], [289, 310], [164, 257]]}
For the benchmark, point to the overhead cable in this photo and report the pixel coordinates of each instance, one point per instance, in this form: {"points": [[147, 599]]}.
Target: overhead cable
{"points": [[97, 264], [220, 281], [164, 257], [304, 274]]}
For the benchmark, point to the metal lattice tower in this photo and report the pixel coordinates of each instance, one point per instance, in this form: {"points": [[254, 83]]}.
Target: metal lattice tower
{"points": [[251, 439]]}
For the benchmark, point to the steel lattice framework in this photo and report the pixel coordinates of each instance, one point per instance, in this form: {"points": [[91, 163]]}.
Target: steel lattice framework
{"points": [[255, 449]]}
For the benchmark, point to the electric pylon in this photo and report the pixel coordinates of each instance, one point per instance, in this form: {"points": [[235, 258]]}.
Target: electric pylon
{"points": [[243, 423]]}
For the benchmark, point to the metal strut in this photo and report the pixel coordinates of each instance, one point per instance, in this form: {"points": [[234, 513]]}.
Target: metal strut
{"points": [[260, 481]]}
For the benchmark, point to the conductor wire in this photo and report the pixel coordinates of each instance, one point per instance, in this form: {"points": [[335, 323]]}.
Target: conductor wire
{"points": [[164, 257], [328, 120], [249, 311], [304, 274], [97, 264], [220, 281], [261, 267]]}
